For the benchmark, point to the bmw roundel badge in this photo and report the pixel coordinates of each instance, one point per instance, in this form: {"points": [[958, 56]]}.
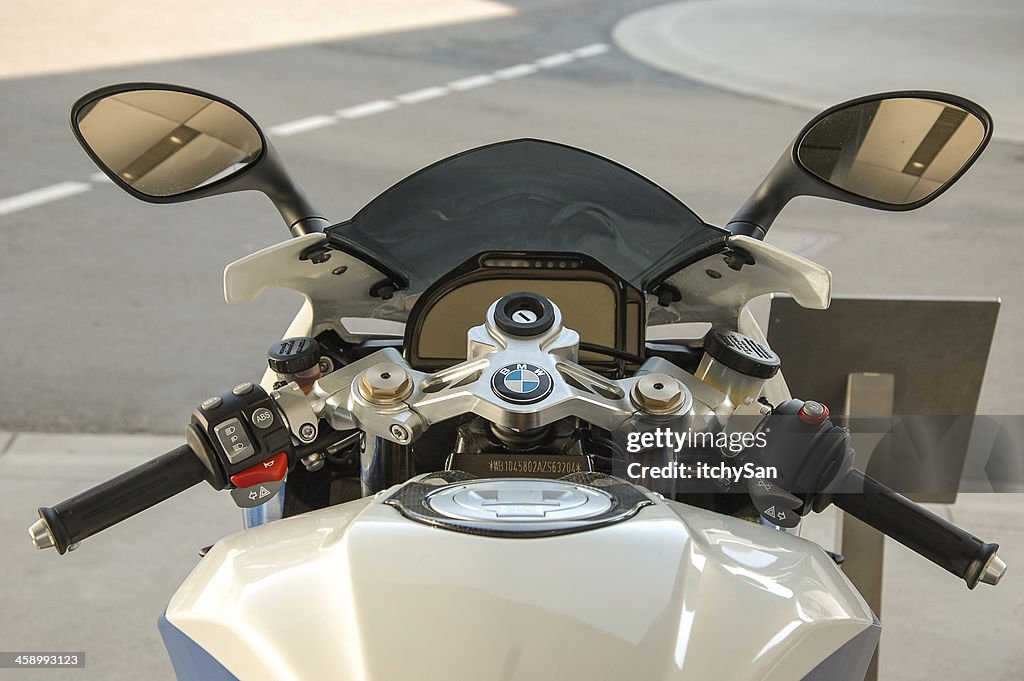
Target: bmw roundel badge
{"points": [[521, 383]]}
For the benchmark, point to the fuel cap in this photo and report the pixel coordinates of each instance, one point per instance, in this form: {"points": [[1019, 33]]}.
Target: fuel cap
{"points": [[524, 314], [517, 507], [519, 501]]}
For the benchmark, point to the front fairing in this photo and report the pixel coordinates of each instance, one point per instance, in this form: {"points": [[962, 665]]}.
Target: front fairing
{"points": [[359, 592], [524, 196]]}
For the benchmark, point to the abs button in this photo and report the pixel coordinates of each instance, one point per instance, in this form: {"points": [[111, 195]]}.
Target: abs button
{"points": [[262, 418]]}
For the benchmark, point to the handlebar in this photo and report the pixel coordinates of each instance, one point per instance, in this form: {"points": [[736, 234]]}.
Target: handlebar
{"points": [[83, 515], [920, 530], [69, 522]]}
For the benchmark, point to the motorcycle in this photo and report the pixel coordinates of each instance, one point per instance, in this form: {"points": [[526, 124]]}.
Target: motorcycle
{"points": [[465, 458]]}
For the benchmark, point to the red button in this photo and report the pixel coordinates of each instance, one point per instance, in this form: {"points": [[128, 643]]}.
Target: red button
{"points": [[813, 413], [271, 470]]}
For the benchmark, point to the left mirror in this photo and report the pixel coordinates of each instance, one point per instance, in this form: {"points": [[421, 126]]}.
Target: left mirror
{"points": [[163, 143]]}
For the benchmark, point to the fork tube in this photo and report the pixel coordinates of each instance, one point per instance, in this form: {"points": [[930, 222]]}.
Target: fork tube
{"points": [[382, 463]]}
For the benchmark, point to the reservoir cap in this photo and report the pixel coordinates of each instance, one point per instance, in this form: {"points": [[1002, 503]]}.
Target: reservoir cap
{"points": [[293, 355], [741, 353]]}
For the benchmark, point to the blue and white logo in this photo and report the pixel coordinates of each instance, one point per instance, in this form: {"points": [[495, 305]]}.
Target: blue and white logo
{"points": [[521, 383]]}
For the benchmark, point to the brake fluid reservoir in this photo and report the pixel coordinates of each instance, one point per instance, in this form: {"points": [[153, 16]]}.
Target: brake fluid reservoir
{"points": [[736, 364], [296, 359]]}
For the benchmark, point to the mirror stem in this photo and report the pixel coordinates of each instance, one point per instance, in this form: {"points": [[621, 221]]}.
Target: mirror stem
{"points": [[308, 226], [757, 214], [745, 229], [301, 216]]}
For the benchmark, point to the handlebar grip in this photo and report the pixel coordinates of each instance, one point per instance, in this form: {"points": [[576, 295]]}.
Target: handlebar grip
{"points": [[920, 530], [108, 503]]}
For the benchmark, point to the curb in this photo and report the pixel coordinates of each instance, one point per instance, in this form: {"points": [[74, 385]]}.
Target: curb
{"points": [[740, 46]]}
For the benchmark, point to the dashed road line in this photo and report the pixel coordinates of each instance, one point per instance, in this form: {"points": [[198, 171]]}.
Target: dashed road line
{"points": [[38, 197], [301, 125], [555, 60], [588, 51], [368, 109], [517, 71], [472, 82], [423, 95], [63, 190]]}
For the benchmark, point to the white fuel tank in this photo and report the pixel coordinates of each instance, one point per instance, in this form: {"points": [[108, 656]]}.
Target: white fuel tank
{"points": [[519, 579]]}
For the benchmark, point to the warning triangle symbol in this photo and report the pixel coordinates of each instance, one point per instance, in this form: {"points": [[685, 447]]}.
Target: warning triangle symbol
{"points": [[264, 492], [770, 512]]}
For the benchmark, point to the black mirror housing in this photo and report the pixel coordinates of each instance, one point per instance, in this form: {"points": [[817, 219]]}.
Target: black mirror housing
{"points": [[250, 162], [803, 167]]}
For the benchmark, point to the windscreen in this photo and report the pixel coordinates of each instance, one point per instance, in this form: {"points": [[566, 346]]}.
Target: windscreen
{"points": [[527, 196]]}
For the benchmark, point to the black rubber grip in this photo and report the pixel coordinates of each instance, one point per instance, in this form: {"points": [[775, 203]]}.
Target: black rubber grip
{"points": [[920, 530], [108, 503]]}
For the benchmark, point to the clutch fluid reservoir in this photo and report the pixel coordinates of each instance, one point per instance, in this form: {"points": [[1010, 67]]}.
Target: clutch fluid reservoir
{"points": [[736, 364]]}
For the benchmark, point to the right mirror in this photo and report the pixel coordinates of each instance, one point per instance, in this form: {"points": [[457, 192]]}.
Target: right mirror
{"points": [[898, 150]]}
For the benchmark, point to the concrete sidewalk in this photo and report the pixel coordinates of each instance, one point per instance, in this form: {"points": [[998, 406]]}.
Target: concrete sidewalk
{"points": [[40, 37], [119, 581], [817, 53], [104, 598]]}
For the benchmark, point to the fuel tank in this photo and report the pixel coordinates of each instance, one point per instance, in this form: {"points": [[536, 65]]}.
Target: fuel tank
{"points": [[517, 579]]}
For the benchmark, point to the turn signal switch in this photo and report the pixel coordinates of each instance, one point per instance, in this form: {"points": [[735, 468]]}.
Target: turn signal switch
{"points": [[809, 453]]}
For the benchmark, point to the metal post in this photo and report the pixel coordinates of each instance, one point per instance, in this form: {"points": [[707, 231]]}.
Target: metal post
{"points": [[867, 395]]}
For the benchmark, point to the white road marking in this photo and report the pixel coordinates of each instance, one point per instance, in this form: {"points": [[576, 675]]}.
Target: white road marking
{"points": [[367, 109], [479, 80], [423, 95], [517, 71], [555, 60], [302, 125], [590, 50], [64, 189], [39, 196]]}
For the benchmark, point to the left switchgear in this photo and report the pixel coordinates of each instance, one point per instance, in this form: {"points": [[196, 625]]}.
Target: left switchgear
{"points": [[238, 430]]}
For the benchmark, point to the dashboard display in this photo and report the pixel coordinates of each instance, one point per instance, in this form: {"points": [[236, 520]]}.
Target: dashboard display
{"points": [[588, 307]]}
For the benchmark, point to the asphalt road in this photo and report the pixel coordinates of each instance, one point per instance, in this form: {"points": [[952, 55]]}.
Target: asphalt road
{"points": [[114, 321]]}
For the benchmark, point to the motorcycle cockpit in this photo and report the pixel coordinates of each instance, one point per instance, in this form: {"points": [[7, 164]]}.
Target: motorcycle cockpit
{"points": [[524, 272], [606, 311]]}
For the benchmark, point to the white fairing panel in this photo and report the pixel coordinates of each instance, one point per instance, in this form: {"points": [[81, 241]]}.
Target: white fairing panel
{"points": [[357, 592], [711, 291], [334, 288]]}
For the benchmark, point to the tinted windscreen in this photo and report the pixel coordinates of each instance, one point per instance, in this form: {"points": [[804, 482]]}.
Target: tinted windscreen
{"points": [[527, 196]]}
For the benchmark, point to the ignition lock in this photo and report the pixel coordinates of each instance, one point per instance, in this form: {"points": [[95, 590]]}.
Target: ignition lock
{"points": [[524, 314]]}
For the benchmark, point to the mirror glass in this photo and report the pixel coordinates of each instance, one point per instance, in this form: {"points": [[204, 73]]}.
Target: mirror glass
{"points": [[897, 151], [164, 142]]}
